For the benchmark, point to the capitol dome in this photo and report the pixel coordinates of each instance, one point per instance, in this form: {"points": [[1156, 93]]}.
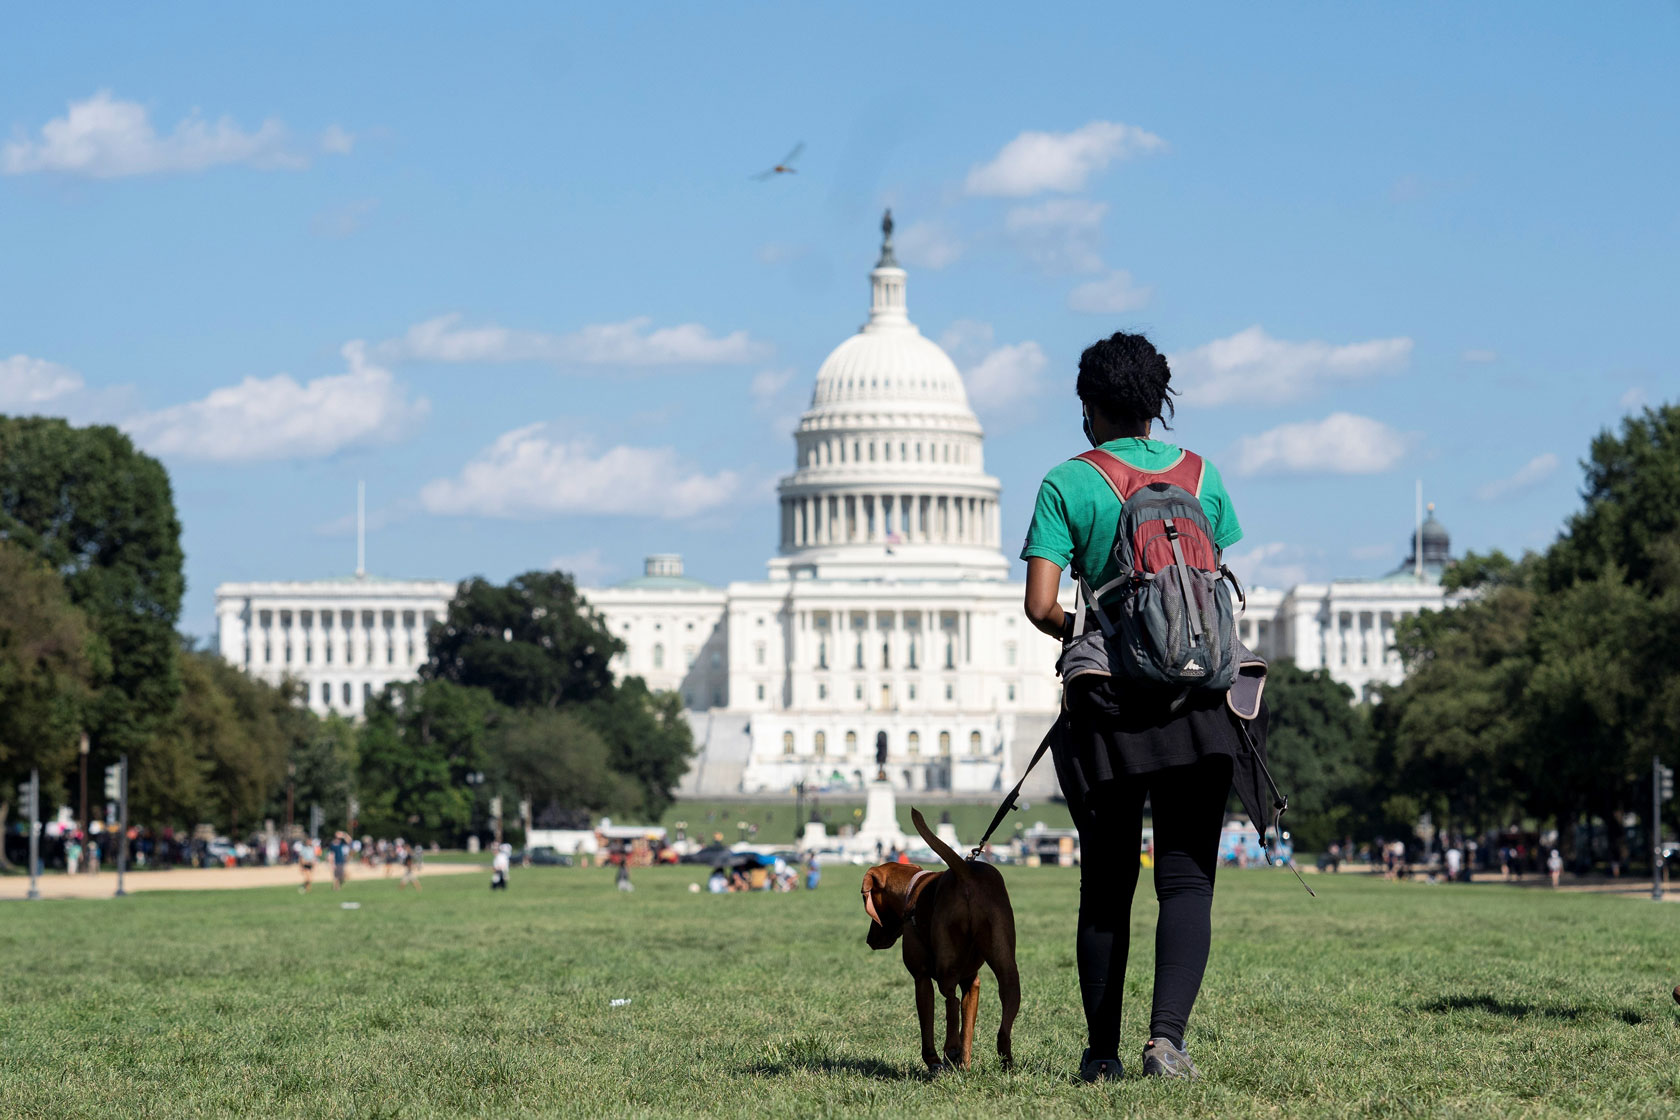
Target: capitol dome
{"points": [[889, 457]]}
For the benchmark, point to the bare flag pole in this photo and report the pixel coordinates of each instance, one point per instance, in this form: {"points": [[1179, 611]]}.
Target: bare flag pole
{"points": [[362, 529], [1417, 541]]}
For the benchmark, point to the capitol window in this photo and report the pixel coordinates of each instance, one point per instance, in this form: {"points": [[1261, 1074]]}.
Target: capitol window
{"points": [[787, 742], [345, 692], [914, 744], [821, 744], [945, 744], [761, 692], [1012, 693], [1009, 654], [974, 743], [851, 743], [658, 656], [857, 692], [912, 692], [822, 691], [947, 692], [326, 693], [758, 650]]}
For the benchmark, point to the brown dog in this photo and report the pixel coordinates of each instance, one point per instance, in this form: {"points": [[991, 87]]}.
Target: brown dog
{"points": [[952, 922]]}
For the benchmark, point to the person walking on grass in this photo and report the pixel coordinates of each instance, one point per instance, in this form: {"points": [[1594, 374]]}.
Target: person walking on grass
{"points": [[411, 870], [340, 851], [306, 863], [1126, 738], [499, 865], [1554, 865], [623, 882]]}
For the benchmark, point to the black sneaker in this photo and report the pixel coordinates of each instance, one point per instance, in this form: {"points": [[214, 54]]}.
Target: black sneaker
{"points": [[1162, 1059], [1099, 1069]]}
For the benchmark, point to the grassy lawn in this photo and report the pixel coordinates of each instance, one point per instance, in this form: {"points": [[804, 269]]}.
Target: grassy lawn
{"points": [[1375, 999], [776, 820]]}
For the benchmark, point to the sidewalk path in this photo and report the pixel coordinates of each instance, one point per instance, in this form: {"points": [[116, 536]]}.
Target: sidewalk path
{"points": [[104, 885]]}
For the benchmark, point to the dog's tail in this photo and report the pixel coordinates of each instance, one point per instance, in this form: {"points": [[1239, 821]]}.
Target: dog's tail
{"points": [[952, 859]]}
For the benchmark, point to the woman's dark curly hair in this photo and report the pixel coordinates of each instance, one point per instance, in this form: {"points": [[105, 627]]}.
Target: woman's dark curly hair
{"points": [[1126, 379]]}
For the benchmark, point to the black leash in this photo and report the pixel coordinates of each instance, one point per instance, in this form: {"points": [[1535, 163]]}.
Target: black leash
{"points": [[1280, 803], [1014, 794]]}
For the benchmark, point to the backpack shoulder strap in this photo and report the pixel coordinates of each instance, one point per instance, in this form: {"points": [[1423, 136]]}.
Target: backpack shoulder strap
{"points": [[1125, 480]]}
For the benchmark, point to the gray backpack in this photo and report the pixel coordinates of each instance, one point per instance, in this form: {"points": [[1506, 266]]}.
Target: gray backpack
{"points": [[1175, 624]]}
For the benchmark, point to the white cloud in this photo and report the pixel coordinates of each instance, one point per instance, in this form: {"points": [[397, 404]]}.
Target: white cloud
{"points": [[1633, 398], [528, 473], [278, 418], [1109, 295], [1058, 161], [768, 384], [1530, 475], [1275, 564], [1060, 234], [1253, 366], [26, 382], [343, 221], [928, 245], [588, 567], [1341, 443], [106, 138], [1479, 356], [629, 343], [995, 376], [336, 141]]}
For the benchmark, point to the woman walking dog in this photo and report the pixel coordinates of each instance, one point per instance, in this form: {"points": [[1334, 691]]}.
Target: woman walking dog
{"points": [[1129, 736]]}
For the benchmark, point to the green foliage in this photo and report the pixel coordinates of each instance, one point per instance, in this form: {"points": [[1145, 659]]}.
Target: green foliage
{"points": [[101, 515], [322, 767], [1320, 749], [49, 662], [560, 761], [1547, 694], [417, 746], [221, 755], [532, 643], [1632, 493], [649, 739]]}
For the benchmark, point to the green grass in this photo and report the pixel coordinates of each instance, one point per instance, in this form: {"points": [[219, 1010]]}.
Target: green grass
{"points": [[1376, 999], [776, 820]]}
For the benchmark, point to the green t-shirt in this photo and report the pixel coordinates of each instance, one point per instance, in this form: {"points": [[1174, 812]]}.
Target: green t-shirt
{"points": [[1077, 514]]}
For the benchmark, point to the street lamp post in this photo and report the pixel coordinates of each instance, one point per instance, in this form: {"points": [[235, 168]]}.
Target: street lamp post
{"points": [[84, 818]]}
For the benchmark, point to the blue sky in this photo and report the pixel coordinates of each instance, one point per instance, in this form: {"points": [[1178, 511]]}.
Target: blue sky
{"points": [[510, 267]]}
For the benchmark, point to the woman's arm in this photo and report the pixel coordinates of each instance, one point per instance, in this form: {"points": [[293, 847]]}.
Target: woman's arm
{"points": [[1044, 581]]}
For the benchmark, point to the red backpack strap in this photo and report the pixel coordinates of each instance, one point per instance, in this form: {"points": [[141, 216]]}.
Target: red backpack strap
{"points": [[1126, 480], [1123, 478]]}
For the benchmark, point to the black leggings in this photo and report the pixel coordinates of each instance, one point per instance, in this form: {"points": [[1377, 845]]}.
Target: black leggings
{"points": [[1188, 805]]}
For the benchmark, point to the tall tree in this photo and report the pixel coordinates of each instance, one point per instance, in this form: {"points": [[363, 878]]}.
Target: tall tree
{"points": [[533, 643], [650, 742], [561, 763], [101, 515], [49, 661], [1320, 748], [1632, 495], [418, 744]]}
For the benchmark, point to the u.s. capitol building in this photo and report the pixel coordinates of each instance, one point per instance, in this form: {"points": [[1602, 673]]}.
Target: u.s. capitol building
{"points": [[888, 608]]}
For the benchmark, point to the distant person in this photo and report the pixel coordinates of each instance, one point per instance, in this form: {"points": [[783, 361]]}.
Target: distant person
{"points": [[340, 851], [72, 856], [623, 882], [813, 872], [499, 865], [1554, 864], [306, 863], [93, 858], [411, 870], [1455, 863], [717, 882]]}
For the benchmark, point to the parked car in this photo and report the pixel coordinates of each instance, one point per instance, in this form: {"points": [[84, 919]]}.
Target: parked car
{"points": [[543, 856]]}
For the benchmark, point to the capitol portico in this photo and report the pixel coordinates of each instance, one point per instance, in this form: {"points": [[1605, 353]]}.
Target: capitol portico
{"points": [[887, 609]]}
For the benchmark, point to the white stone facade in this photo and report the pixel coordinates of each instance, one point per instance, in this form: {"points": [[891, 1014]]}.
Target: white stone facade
{"points": [[887, 610], [343, 639]]}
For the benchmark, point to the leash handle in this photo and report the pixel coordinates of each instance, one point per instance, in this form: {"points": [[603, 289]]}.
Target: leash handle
{"points": [[1014, 794]]}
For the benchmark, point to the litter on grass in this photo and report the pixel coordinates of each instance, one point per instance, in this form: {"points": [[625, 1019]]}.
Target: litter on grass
{"points": [[349, 906], [621, 1003]]}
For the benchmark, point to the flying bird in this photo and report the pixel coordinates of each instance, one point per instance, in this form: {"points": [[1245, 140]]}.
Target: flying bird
{"points": [[785, 167]]}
